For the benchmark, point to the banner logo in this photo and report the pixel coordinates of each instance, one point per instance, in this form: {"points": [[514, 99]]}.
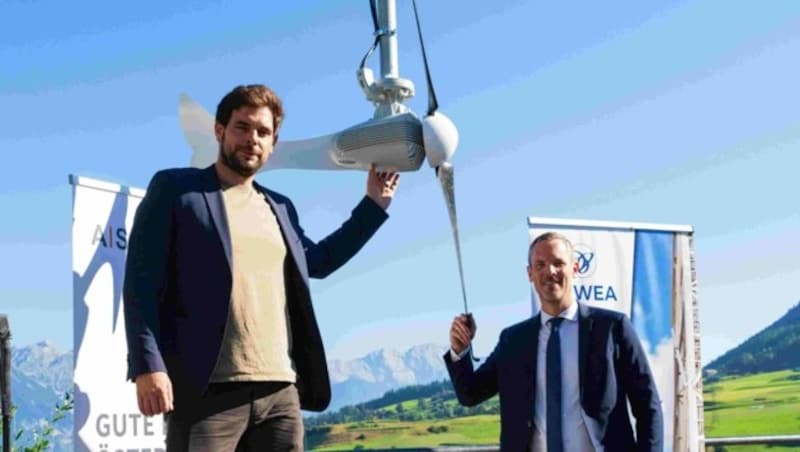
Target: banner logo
{"points": [[110, 237], [587, 266], [584, 256]]}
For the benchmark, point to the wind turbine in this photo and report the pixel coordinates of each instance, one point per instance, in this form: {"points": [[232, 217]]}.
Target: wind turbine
{"points": [[394, 138]]}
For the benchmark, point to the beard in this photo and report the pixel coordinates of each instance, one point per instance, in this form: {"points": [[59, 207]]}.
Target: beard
{"points": [[238, 165]]}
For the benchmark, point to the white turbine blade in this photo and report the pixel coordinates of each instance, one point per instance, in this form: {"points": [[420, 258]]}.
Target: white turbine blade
{"points": [[444, 173], [312, 153], [198, 129]]}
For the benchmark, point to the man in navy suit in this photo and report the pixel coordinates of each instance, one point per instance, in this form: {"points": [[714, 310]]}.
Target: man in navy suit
{"points": [[221, 332], [564, 376]]}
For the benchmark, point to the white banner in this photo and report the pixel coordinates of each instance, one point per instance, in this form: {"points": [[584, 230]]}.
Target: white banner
{"points": [[106, 414]]}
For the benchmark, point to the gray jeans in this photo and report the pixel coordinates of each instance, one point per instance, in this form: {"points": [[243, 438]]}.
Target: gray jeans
{"points": [[258, 416]]}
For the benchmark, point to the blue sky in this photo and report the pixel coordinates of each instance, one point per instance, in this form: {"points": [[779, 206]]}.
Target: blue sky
{"points": [[667, 112]]}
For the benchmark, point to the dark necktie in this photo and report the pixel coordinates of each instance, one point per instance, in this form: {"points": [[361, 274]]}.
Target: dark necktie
{"points": [[554, 441]]}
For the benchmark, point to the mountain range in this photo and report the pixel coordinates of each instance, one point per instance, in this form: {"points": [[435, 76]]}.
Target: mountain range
{"points": [[41, 374], [370, 376]]}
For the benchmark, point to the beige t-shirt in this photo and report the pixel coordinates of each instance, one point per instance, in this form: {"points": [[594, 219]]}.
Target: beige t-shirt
{"points": [[256, 344]]}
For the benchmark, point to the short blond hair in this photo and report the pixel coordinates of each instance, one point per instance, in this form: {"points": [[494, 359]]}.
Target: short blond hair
{"points": [[546, 237]]}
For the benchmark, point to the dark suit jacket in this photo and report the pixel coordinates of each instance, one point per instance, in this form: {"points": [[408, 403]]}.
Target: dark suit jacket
{"points": [[178, 282], [612, 367]]}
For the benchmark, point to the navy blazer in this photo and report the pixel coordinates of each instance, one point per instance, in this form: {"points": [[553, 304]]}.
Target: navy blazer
{"points": [[612, 367], [178, 282]]}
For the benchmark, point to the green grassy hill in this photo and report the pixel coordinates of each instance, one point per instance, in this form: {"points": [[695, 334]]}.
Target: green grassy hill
{"points": [[776, 347], [414, 416], [472, 430], [409, 404]]}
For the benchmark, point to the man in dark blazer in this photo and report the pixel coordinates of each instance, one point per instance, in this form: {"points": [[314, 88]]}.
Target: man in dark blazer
{"points": [[564, 376], [220, 328]]}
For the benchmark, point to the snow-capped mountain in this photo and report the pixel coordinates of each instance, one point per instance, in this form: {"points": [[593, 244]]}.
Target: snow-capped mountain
{"points": [[370, 376]]}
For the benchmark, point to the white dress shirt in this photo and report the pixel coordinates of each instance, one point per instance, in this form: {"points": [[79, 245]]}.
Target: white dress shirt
{"points": [[580, 432]]}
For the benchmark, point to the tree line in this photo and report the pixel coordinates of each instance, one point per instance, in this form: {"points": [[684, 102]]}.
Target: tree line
{"points": [[433, 401]]}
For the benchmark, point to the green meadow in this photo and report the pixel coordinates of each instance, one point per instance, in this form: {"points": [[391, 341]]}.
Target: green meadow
{"points": [[471, 430], [753, 405], [761, 404]]}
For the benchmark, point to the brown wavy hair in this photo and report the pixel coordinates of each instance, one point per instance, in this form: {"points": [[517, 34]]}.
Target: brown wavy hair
{"points": [[250, 96]]}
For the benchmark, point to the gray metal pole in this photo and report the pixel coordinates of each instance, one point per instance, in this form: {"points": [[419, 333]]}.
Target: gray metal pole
{"points": [[390, 90], [387, 21], [5, 381]]}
